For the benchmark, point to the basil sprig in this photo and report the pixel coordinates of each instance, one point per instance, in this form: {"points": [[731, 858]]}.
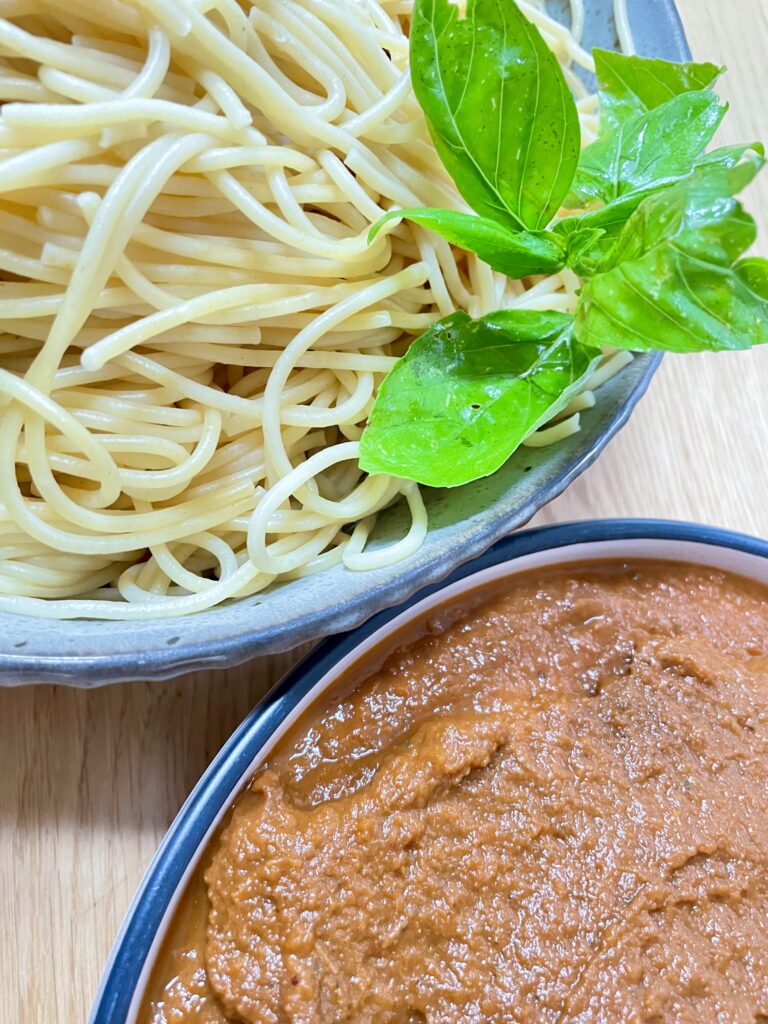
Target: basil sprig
{"points": [[653, 228]]}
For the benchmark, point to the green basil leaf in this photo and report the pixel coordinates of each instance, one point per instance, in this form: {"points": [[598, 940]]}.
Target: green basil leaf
{"points": [[468, 392], [498, 108], [718, 232], [585, 244], [514, 253], [597, 230], [581, 243], [698, 213], [732, 168], [676, 287], [672, 301], [648, 150], [754, 273], [635, 85], [728, 171]]}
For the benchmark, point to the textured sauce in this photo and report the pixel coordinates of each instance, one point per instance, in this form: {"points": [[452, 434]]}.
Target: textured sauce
{"points": [[552, 807]]}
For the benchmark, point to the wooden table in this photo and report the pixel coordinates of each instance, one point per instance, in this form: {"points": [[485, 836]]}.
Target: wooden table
{"points": [[90, 781]]}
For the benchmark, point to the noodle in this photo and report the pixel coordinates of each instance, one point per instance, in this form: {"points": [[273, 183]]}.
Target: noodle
{"points": [[193, 325], [623, 30]]}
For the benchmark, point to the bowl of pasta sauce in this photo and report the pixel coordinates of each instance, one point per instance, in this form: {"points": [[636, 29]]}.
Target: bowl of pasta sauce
{"points": [[537, 791]]}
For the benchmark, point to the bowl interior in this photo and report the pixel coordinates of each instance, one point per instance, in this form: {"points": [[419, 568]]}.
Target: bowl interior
{"points": [[178, 856], [463, 522]]}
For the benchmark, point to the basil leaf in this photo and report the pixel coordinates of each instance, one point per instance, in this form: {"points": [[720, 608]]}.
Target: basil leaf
{"points": [[581, 242], [728, 171], [468, 392], [718, 232], [597, 232], [498, 108], [676, 288], [754, 273], [586, 244], [732, 167], [672, 301], [699, 213], [649, 150], [514, 253], [635, 85]]}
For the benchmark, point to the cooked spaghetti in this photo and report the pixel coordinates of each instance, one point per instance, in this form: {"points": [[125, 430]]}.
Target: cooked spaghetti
{"points": [[193, 323]]}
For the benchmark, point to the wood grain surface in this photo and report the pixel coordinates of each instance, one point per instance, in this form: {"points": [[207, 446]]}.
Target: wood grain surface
{"points": [[91, 780]]}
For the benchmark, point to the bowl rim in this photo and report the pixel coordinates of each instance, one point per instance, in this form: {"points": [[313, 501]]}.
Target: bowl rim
{"points": [[199, 812]]}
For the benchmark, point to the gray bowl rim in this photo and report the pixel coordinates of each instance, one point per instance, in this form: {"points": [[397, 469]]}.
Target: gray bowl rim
{"points": [[214, 790]]}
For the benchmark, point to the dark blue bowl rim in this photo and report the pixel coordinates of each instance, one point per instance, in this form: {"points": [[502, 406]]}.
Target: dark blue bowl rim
{"points": [[227, 768]]}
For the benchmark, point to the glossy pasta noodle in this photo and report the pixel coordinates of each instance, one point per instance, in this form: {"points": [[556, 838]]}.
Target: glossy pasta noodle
{"points": [[193, 323]]}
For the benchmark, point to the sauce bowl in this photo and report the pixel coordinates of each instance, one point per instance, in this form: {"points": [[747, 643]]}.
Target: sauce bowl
{"points": [[141, 937]]}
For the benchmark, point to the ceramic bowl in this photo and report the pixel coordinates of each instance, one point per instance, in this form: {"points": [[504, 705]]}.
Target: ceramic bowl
{"points": [[463, 522], [142, 933]]}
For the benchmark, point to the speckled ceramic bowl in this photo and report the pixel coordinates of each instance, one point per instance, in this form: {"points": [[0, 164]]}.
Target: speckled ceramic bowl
{"points": [[463, 522], [133, 956]]}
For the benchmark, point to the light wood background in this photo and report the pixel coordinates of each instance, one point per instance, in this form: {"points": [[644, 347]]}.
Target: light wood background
{"points": [[89, 781]]}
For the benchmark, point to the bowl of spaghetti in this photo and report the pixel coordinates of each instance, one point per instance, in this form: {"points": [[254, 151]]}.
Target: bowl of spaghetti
{"points": [[195, 323]]}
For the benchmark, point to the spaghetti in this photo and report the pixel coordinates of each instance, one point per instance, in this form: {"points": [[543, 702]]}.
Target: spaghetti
{"points": [[193, 323]]}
